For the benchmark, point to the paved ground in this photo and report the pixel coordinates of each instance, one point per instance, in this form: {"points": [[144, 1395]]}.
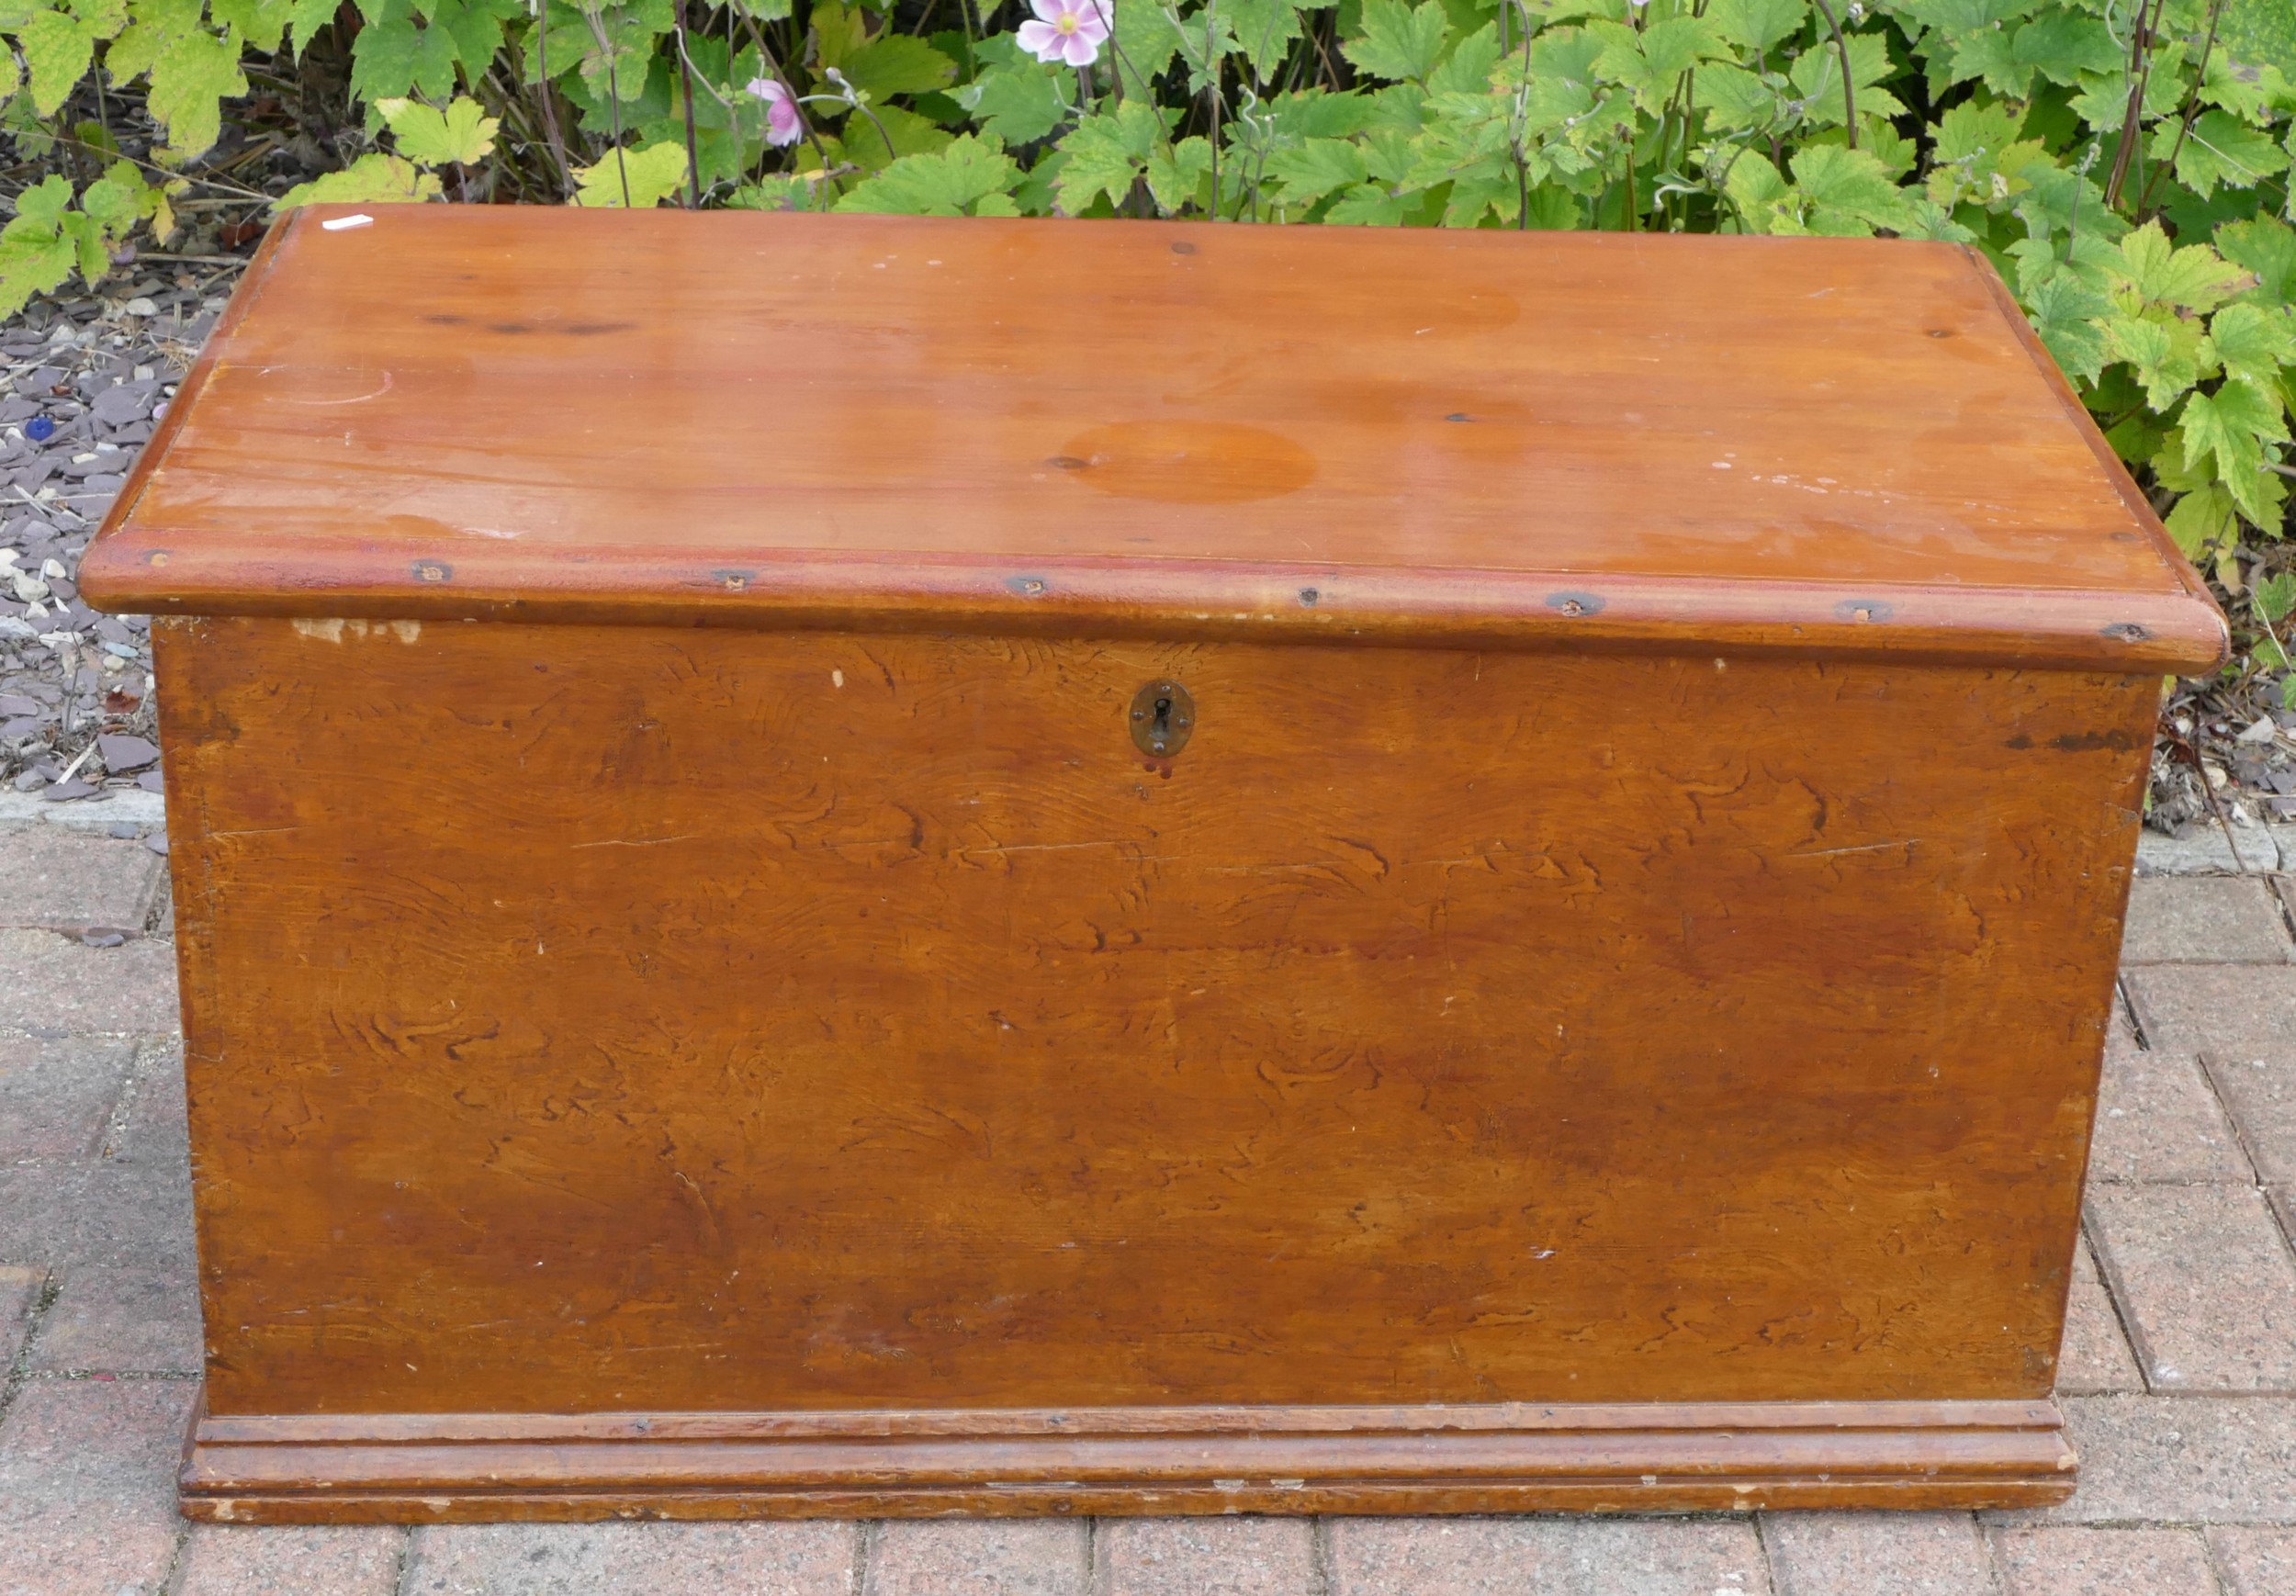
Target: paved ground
{"points": [[2180, 1373]]}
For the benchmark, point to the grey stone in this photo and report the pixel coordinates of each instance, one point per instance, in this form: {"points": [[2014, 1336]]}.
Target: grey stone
{"points": [[56, 1097], [292, 1560], [2067, 1560], [2157, 1119], [801, 1557], [2096, 1356], [978, 1557], [87, 1487], [1243, 1556], [2206, 1281], [56, 880], [20, 1288], [104, 1215], [1508, 1557], [122, 1321], [2225, 1460], [2201, 848], [2255, 1562], [52, 987], [2202, 920], [1876, 1553]]}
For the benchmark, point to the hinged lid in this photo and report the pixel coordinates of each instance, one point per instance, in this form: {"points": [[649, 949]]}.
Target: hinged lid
{"points": [[1465, 438]]}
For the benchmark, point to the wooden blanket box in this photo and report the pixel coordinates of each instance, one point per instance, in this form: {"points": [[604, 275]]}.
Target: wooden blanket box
{"points": [[851, 865]]}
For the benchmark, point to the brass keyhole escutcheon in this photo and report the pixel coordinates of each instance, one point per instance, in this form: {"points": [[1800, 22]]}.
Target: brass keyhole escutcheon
{"points": [[1163, 716]]}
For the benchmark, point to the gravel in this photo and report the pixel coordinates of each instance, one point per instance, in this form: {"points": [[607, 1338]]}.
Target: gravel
{"points": [[83, 381]]}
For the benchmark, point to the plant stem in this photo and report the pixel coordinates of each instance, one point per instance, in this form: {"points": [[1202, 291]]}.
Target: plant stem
{"points": [[2140, 71], [543, 93], [2191, 112], [686, 81], [1849, 89]]}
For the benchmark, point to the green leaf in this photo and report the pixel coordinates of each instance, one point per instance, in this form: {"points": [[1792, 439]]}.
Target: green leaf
{"points": [[1765, 201], [1758, 26], [190, 80], [2219, 149], [1018, 104], [305, 17], [1466, 68], [32, 264], [1398, 42], [2259, 33], [372, 179], [2202, 521], [2274, 596], [260, 22], [640, 178], [1142, 44], [2265, 246], [1264, 30], [1850, 193], [865, 143], [1107, 154], [2060, 44], [2253, 344], [58, 50], [39, 208], [2063, 311], [1316, 168], [1174, 176], [475, 29], [2232, 426], [2163, 361], [973, 177], [2193, 278], [895, 63], [1651, 62], [1733, 98], [463, 133], [1370, 206]]}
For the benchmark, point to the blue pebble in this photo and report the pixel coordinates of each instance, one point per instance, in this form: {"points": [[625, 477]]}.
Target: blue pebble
{"points": [[40, 429]]}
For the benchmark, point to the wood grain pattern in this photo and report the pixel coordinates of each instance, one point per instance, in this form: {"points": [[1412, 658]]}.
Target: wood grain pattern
{"points": [[1644, 1457], [597, 1020], [1147, 431]]}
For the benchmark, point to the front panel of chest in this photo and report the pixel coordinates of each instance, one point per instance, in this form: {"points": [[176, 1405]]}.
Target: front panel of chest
{"points": [[610, 1018]]}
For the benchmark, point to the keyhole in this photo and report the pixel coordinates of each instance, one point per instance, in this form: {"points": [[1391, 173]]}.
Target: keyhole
{"points": [[1162, 714]]}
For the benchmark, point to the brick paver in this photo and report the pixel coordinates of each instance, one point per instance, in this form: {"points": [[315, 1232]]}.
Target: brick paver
{"points": [[1507, 1557], [2207, 1283], [2096, 1356], [1206, 1556], [20, 1286], [2228, 1460], [979, 1557], [2083, 1562], [56, 879], [2157, 1119], [1865, 1554], [352, 1560], [119, 1321], [787, 1558], [52, 985], [2254, 1562], [88, 1499], [2190, 1490], [56, 1097], [2204, 920]]}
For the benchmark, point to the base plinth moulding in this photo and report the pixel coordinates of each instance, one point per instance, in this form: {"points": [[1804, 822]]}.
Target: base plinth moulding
{"points": [[1508, 1458]]}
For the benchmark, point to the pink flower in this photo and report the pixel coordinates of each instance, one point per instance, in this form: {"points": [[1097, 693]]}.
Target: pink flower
{"points": [[782, 126], [1071, 31]]}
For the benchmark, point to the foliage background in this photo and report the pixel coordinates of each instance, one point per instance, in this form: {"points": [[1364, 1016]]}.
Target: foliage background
{"points": [[2125, 163]]}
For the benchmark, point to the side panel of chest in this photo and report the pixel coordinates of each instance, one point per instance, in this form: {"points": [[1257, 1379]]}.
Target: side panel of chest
{"points": [[590, 1021]]}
